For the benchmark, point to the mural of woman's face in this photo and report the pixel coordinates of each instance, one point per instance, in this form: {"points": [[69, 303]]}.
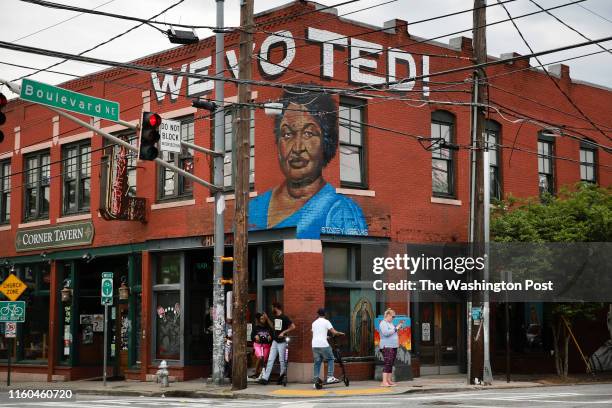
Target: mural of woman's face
{"points": [[300, 146]]}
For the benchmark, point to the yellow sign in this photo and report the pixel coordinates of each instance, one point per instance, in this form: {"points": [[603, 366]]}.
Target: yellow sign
{"points": [[13, 287]]}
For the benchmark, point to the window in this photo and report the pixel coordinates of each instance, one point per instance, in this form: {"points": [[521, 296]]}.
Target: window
{"points": [[492, 132], [173, 186], [442, 165], [350, 132], [350, 301], [588, 162], [37, 174], [545, 165], [32, 341], [229, 166], [168, 306], [5, 191], [76, 177], [114, 150]]}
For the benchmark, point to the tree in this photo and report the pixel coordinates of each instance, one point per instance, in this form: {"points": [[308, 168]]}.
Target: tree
{"points": [[582, 214]]}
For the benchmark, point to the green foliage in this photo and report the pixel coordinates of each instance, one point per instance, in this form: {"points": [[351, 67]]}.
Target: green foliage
{"points": [[583, 214]]}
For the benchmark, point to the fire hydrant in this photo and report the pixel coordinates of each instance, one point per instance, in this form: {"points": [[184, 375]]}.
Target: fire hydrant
{"points": [[162, 374]]}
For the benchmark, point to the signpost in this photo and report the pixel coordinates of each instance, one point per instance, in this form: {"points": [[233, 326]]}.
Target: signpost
{"points": [[170, 136], [12, 312], [61, 98], [13, 287], [106, 291]]}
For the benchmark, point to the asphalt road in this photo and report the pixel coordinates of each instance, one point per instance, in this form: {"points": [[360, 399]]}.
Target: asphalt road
{"points": [[592, 395]]}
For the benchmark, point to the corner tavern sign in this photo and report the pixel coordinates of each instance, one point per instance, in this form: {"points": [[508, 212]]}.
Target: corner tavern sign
{"points": [[57, 236]]}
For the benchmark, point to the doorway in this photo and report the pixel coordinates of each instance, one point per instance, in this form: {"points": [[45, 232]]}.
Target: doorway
{"points": [[440, 334]]}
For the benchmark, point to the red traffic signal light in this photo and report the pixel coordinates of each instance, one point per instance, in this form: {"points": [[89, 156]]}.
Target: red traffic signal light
{"points": [[149, 136]]}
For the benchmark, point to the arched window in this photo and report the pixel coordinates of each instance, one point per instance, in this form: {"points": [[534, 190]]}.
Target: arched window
{"points": [[546, 152], [443, 159], [492, 138]]}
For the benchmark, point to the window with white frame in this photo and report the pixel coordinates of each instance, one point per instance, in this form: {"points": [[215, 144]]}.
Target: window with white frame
{"points": [[443, 159], [492, 134], [36, 187], [76, 177], [172, 185], [588, 162], [5, 191], [229, 162], [545, 165], [351, 143]]}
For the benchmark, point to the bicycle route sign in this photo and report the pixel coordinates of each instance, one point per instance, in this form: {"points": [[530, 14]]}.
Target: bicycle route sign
{"points": [[13, 287], [107, 288], [12, 311]]}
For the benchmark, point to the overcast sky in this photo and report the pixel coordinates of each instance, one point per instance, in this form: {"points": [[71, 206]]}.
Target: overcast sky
{"points": [[20, 22]]}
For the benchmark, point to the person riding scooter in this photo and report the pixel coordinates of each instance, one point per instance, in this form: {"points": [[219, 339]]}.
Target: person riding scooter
{"points": [[321, 349]]}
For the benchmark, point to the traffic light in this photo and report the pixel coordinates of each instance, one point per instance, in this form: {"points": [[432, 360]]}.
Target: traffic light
{"points": [[149, 136], [3, 102]]}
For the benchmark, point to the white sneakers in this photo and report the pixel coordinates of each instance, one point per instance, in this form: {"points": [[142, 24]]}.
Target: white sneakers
{"points": [[332, 379]]}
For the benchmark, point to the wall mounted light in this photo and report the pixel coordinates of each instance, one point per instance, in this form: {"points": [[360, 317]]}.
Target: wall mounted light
{"points": [[66, 291], [124, 290]]}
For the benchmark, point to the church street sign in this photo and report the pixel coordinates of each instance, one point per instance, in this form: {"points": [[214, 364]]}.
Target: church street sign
{"points": [[61, 98], [57, 236]]}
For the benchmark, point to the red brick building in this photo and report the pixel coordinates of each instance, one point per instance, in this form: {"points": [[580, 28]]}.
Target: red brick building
{"points": [[55, 179]]}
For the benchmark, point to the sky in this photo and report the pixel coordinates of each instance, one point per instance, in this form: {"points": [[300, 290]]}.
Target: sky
{"points": [[33, 25]]}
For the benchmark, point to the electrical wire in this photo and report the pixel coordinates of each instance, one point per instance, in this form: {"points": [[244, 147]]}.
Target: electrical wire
{"points": [[567, 25], [60, 22], [347, 91], [81, 10], [428, 40], [107, 41], [567, 97], [596, 14]]}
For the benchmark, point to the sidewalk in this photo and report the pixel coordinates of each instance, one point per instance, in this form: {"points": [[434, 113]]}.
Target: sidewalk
{"points": [[200, 389]]}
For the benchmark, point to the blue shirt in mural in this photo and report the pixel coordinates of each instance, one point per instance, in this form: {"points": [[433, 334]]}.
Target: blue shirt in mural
{"points": [[325, 213]]}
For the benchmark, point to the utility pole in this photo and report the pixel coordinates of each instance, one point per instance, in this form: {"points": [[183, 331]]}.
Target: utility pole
{"points": [[478, 361], [218, 315], [241, 244]]}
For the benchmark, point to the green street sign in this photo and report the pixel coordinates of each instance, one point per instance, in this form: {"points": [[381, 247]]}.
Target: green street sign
{"points": [[12, 311], [107, 288], [61, 98]]}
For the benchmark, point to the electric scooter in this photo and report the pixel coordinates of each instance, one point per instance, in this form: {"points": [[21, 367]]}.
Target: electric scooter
{"points": [[319, 383]]}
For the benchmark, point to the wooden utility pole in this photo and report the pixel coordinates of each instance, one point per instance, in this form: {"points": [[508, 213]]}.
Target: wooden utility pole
{"points": [[477, 233], [243, 151]]}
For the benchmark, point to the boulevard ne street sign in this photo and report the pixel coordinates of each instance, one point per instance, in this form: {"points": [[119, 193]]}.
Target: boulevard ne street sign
{"points": [[61, 98]]}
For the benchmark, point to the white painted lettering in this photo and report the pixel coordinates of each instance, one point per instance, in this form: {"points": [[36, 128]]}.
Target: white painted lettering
{"points": [[196, 86], [395, 55], [279, 37], [329, 41], [358, 62]]}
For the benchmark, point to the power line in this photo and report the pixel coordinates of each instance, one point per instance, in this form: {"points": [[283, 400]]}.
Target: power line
{"points": [[596, 14], [567, 25], [81, 10], [397, 26], [107, 41], [60, 22], [569, 99], [353, 91], [427, 40]]}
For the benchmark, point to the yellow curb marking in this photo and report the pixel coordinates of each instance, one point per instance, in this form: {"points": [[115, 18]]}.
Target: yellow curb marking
{"points": [[301, 393], [380, 390]]}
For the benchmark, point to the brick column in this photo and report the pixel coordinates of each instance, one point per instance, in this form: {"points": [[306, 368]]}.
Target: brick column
{"points": [[145, 339], [304, 293], [53, 333]]}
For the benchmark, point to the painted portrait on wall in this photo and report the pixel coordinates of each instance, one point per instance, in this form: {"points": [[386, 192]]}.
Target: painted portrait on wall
{"points": [[306, 133]]}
